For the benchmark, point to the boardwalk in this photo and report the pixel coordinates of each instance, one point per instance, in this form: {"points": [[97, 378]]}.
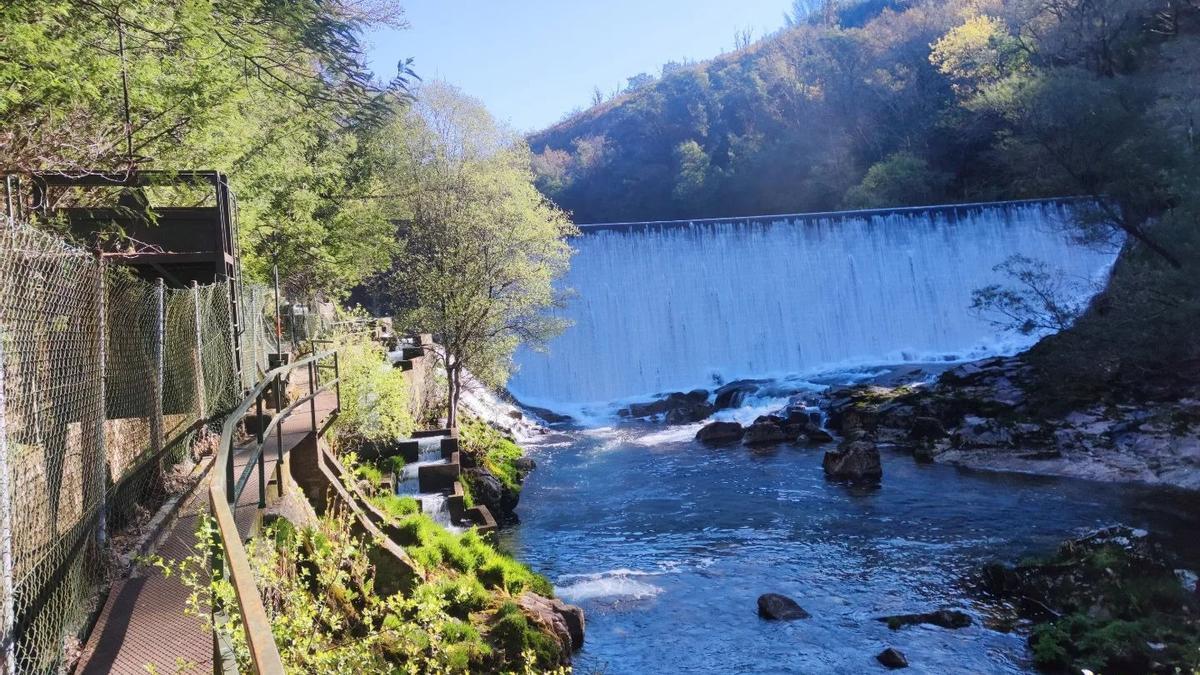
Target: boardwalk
{"points": [[142, 627]]}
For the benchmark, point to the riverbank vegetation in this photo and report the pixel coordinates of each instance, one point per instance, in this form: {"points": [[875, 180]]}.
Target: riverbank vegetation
{"points": [[480, 247], [331, 613]]}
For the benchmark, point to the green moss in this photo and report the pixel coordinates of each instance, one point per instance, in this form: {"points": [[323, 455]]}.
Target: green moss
{"points": [[394, 464], [512, 632], [396, 506], [432, 546], [493, 451], [372, 475]]}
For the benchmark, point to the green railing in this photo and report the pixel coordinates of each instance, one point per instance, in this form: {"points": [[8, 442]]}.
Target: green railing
{"points": [[229, 555]]}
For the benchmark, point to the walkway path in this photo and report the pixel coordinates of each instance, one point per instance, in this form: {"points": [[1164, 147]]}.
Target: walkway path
{"points": [[142, 627]]}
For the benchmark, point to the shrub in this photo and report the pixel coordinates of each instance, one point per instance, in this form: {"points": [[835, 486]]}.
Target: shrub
{"points": [[374, 394], [493, 451]]}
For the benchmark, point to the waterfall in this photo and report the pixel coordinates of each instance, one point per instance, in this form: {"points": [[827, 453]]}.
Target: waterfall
{"points": [[436, 506], [674, 305]]}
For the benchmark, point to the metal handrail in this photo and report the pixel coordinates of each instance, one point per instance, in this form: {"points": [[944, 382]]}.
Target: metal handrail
{"points": [[229, 557]]}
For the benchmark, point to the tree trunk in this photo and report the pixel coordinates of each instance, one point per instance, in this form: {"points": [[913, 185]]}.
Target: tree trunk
{"points": [[452, 406]]}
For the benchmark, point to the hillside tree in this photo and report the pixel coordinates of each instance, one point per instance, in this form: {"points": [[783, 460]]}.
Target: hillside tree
{"points": [[481, 247]]}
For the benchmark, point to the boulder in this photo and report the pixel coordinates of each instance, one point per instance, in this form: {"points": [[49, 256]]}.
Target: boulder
{"points": [[698, 396], [733, 394], [945, 618], [541, 612], [926, 429], [524, 464], [720, 432], [892, 658], [764, 433], [490, 492], [778, 607], [689, 413], [854, 460], [770, 419], [818, 435]]}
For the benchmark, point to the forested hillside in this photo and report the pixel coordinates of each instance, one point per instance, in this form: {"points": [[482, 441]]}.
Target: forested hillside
{"points": [[890, 102]]}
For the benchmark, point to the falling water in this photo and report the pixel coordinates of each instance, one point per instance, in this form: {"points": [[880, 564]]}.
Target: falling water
{"points": [[674, 305]]}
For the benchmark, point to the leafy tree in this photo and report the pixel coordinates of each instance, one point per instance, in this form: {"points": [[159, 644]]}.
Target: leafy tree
{"points": [[1089, 135], [481, 247], [902, 178], [274, 94], [1042, 301], [979, 52], [692, 173]]}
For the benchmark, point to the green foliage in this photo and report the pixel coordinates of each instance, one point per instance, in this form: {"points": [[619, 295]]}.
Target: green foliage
{"points": [[433, 547], [492, 450], [318, 586], [374, 395], [900, 179], [396, 506], [275, 94], [481, 246]]}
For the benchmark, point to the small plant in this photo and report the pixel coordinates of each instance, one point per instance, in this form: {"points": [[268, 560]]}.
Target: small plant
{"points": [[493, 451]]}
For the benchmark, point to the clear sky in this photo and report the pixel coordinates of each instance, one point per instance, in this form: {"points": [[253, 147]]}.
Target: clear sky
{"points": [[531, 61]]}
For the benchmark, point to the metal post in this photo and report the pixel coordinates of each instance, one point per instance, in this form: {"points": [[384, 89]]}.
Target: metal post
{"points": [[278, 317], [101, 476], [156, 393], [235, 336], [337, 381], [279, 432], [258, 437], [6, 562], [312, 393], [201, 401]]}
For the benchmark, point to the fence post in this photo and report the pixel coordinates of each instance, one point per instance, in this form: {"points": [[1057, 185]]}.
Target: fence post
{"points": [[156, 406], [199, 362], [232, 312], [312, 392], [101, 477], [6, 561]]}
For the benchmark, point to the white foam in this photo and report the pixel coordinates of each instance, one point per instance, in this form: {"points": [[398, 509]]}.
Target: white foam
{"points": [[620, 584]]}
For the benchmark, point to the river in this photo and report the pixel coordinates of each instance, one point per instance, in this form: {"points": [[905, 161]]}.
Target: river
{"points": [[667, 544]]}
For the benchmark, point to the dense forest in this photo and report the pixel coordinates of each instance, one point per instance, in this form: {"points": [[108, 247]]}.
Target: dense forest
{"points": [[886, 102]]}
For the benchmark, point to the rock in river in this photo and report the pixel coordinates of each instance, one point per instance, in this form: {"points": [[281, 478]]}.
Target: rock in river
{"points": [[720, 432], [764, 433], [946, 618], [892, 658], [779, 607], [854, 460]]}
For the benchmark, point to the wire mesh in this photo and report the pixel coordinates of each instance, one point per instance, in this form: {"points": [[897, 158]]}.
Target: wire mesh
{"points": [[104, 378]]}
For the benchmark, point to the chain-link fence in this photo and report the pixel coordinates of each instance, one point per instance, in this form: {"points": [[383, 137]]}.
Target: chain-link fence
{"points": [[104, 379]]}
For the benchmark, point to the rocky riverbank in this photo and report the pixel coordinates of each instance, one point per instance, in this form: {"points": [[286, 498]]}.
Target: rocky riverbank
{"points": [[982, 415], [1111, 601]]}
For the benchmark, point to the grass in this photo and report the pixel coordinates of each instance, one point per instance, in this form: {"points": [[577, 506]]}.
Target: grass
{"points": [[433, 547], [395, 506], [493, 451]]}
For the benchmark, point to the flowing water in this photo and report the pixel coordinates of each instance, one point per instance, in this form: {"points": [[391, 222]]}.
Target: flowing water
{"points": [[671, 306], [666, 544]]}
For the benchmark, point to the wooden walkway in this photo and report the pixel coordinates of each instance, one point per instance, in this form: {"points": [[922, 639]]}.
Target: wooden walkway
{"points": [[142, 627]]}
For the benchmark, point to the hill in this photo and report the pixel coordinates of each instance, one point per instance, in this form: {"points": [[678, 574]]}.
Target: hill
{"points": [[876, 103]]}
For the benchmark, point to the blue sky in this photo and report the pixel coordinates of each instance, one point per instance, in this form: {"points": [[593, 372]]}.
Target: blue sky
{"points": [[531, 61]]}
